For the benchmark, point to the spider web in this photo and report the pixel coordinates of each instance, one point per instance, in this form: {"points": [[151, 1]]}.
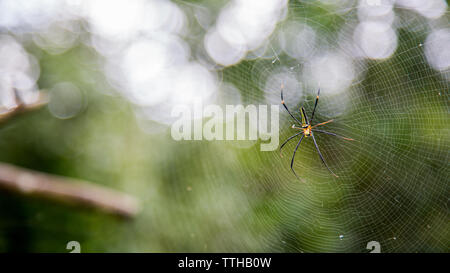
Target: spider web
{"points": [[390, 94], [393, 179]]}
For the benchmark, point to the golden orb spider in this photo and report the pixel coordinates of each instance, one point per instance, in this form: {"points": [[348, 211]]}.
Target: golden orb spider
{"points": [[307, 131]]}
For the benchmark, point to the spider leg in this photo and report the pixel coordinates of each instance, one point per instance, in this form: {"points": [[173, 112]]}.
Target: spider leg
{"points": [[315, 105], [293, 156], [323, 123], [285, 107], [287, 140], [320, 155], [332, 134]]}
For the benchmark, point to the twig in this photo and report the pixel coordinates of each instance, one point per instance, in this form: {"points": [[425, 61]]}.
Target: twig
{"points": [[21, 107], [59, 188], [27, 182]]}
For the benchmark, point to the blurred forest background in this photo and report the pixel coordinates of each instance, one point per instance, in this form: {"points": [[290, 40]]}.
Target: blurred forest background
{"points": [[110, 73]]}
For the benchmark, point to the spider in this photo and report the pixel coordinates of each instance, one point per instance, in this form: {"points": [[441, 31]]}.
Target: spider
{"points": [[306, 130]]}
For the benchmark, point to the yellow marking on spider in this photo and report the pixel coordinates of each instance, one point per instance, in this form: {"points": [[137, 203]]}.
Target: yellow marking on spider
{"points": [[307, 131], [303, 117]]}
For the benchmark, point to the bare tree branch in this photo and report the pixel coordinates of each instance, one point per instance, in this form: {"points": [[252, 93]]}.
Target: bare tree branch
{"points": [[77, 192], [21, 107], [59, 188]]}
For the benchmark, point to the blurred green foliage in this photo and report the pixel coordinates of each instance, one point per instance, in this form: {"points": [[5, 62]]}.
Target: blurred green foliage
{"points": [[215, 197]]}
